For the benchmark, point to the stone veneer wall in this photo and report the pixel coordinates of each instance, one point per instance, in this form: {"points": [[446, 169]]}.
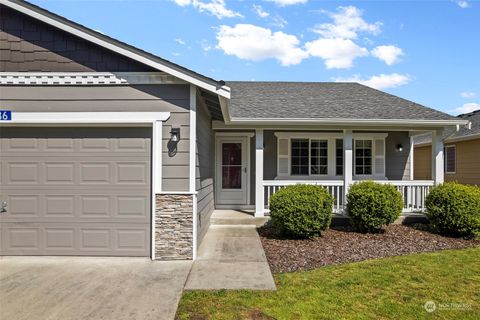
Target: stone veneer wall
{"points": [[174, 227]]}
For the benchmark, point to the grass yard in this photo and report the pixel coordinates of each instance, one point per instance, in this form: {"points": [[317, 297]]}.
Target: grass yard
{"points": [[388, 288]]}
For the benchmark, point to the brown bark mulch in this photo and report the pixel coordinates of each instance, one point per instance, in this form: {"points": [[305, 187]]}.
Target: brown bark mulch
{"points": [[342, 245]]}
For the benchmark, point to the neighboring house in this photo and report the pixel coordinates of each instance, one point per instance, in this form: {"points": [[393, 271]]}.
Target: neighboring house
{"points": [[462, 152], [112, 151]]}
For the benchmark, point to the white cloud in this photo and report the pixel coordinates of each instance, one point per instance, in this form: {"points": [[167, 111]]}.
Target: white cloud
{"points": [[468, 107], [388, 54], [180, 41], [254, 43], [284, 3], [347, 23], [468, 94], [279, 22], [214, 7], [182, 3], [259, 11], [463, 4], [337, 53], [381, 81]]}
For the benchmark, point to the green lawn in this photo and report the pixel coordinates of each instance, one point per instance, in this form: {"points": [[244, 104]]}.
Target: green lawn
{"points": [[390, 288]]}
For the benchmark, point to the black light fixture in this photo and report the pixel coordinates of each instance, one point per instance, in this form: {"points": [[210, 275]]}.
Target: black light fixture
{"points": [[175, 134], [399, 147]]}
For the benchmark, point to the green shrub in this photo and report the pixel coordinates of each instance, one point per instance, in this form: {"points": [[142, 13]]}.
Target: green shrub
{"points": [[371, 205], [301, 211], [454, 209]]}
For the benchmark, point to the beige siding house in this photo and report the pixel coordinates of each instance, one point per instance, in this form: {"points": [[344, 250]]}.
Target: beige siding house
{"points": [[462, 153]]}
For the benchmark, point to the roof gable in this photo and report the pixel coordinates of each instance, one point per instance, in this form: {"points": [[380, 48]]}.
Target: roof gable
{"points": [[30, 45], [119, 47]]}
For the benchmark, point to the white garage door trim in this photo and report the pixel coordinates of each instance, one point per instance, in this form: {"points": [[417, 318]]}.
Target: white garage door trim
{"points": [[153, 119]]}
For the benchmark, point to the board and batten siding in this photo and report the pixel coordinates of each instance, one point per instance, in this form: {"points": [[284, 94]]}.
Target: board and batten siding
{"points": [[205, 172], [163, 98]]}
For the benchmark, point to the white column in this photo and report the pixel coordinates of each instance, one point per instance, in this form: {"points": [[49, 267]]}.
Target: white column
{"points": [[437, 157], [347, 161], [259, 195]]}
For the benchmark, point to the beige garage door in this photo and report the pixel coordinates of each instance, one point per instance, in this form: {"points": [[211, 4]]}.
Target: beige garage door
{"points": [[75, 191]]}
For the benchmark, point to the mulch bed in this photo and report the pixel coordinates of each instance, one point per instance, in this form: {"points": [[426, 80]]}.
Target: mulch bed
{"points": [[342, 245]]}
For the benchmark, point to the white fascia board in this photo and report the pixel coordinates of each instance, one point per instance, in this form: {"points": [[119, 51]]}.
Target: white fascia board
{"points": [[339, 121], [463, 138], [223, 91], [86, 117]]}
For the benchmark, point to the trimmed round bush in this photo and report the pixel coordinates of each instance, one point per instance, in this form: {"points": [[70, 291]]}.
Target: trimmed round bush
{"points": [[454, 209], [301, 211], [372, 205]]}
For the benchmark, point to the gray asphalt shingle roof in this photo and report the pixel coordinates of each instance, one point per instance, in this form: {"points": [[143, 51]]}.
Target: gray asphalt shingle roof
{"points": [[322, 100], [452, 133]]}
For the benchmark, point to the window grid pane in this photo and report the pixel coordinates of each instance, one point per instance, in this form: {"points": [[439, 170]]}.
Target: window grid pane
{"points": [[450, 160], [363, 157], [299, 157], [319, 157]]}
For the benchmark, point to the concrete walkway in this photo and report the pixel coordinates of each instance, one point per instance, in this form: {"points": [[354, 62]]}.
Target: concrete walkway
{"points": [[231, 257], [90, 288]]}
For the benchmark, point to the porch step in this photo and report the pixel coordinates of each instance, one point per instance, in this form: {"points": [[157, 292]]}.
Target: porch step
{"points": [[236, 218]]}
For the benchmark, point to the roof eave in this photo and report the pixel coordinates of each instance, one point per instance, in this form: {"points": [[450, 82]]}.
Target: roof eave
{"points": [[349, 122], [114, 45]]}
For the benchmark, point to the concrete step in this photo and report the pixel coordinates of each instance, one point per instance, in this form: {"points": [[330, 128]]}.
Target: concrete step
{"points": [[236, 218]]}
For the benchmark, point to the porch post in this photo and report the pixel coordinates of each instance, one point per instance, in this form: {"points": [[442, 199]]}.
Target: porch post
{"points": [[347, 162], [437, 157], [259, 195]]}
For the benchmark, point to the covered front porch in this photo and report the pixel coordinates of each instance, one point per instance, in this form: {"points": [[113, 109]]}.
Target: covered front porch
{"points": [[251, 165]]}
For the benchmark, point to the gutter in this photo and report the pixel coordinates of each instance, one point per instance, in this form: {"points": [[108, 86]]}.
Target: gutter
{"points": [[344, 121]]}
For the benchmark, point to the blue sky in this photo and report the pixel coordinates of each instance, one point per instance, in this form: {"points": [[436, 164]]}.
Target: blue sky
{"points": [[425, 51]]}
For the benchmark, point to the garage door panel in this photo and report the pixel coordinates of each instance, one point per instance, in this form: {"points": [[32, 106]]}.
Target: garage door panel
{"points": [[75, 192], [23, 173], [22, 206]]}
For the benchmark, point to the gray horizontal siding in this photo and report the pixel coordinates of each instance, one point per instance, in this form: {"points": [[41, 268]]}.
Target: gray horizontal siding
{"points": [[165, 98], [204, 177], [397, 163]]}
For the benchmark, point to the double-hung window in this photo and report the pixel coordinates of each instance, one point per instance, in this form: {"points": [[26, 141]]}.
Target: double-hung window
{"points": [[450, 159], [363, 157], [309, 157]]}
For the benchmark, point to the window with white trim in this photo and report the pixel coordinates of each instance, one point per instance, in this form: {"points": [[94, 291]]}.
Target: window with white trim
{"points": [[363, 157], [322, 155], [450, 159], [299, 157], [309, 157]]}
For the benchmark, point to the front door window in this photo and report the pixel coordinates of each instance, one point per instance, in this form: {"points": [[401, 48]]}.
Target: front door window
{"points": [[231, 165]]}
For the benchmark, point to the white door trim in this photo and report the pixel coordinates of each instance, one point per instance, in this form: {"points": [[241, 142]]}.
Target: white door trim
{"points": [[152, 119], [233, 135]]}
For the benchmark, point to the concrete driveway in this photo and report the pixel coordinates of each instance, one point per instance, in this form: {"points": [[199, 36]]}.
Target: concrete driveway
{"points": [[90, 288]]}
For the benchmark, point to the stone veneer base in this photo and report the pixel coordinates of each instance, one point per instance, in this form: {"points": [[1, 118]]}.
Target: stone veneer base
{"points": [[173, 227]]}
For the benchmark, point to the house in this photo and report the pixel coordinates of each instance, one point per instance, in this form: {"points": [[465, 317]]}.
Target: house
{"points": [[462, 152], [107, 150]]}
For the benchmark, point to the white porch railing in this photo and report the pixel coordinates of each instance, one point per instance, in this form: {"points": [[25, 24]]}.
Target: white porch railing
{"points": [[335, 187], [414, 192]]}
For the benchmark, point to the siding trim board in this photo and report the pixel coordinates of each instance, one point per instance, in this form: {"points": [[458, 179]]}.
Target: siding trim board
{"points": [[86, 78]]}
